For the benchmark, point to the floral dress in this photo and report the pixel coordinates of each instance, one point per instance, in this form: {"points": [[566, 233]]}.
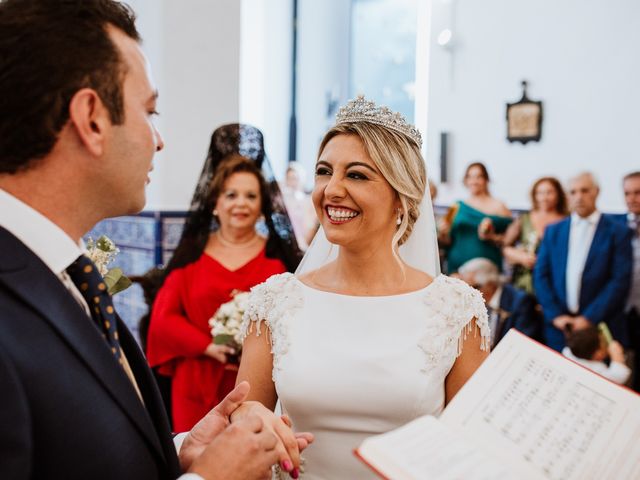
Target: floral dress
{"points": [[522, 276]]}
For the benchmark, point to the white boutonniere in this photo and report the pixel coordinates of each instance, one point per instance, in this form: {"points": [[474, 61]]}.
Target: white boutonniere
{"points": [[102, 252]]}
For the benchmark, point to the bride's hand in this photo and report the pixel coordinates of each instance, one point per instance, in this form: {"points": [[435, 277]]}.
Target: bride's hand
{"points": [[304, 438], [219, 352], [289, 444]]}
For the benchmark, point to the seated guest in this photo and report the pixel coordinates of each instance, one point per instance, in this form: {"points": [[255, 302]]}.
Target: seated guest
{"points": [[508, 307], [522, 238], [589, 349], [209, 265], [583, 271], [474, 227]]}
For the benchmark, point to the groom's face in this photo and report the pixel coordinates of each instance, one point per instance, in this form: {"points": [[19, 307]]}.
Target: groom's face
{"points": [[355, 204], [133, 144]]}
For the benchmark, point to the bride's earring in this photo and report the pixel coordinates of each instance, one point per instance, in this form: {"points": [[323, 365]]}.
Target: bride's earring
{"points": [[399, 218], [215, 212]]}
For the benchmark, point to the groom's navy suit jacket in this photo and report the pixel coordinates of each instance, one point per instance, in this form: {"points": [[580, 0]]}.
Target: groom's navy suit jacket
{"points": [[605, 279], [67, 408]]}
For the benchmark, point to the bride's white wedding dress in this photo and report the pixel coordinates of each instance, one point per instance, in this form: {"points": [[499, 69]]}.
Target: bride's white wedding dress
{"points": [[348, 367]]}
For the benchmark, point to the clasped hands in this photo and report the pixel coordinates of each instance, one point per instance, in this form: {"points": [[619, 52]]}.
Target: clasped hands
{"points": [[568, 323], [217, 449]]}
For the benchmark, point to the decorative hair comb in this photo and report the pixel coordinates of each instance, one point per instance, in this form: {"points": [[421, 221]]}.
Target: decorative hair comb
{"points": [[362, 110]]}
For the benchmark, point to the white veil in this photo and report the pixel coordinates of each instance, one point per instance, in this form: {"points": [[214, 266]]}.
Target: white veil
{"points": [[419, 251]]}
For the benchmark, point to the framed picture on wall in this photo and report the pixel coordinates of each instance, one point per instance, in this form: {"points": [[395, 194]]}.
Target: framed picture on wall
{"points": [[524, 119]]}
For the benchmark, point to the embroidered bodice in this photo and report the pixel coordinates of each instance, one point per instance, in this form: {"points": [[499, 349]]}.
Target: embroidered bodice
{"points": [[347, 367]]}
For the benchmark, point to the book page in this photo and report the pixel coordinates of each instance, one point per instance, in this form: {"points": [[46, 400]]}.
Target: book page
{"points": [[425, 449], [556, 417]]}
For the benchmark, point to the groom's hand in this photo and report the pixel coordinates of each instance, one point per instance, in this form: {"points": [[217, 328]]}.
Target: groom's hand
{"points": [[211, 425], [243, 451]]}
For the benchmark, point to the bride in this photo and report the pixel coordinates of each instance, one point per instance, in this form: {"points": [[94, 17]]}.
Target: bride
{"points": [[367, 335]]}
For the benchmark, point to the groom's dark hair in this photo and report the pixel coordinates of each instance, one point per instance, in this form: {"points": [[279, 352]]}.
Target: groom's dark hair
{"points": [[50, 49]]}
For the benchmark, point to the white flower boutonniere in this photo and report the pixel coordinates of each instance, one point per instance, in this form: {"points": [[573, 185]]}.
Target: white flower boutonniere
{"points": [[102, 252]]}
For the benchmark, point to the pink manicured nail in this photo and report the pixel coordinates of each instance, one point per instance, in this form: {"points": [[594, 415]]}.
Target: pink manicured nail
{"points": [[295, 473], [287, 466]]}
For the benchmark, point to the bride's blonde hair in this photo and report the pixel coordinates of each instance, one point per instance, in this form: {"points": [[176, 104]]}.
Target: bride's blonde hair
{"points": [[400, 162]]}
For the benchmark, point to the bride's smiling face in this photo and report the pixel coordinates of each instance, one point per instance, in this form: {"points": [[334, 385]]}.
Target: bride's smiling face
{"points": [[353, 201]]}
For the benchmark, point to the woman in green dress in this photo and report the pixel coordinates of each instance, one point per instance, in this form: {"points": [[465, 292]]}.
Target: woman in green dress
{"points": [[474, 227], [521, 241]]}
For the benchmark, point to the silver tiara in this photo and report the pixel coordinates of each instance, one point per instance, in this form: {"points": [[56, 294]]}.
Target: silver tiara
{"points": [[361, 110]]}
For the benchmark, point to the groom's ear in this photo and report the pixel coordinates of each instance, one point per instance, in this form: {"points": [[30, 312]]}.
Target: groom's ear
{"points": [[90, 120]]}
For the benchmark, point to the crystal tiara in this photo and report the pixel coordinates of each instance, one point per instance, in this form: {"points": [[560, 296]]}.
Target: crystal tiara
{"points": [[362, 110]]}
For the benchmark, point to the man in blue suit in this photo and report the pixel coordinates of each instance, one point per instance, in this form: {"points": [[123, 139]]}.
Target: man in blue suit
{"points": [[583, 270], [631, 219], [508, 306]]}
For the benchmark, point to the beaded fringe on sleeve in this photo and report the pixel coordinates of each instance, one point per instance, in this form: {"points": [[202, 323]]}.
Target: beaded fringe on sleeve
{"points": [[273, 302], [452, 308]]}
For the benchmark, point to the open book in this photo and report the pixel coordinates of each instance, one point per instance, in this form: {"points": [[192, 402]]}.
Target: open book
{"points": [[527, 413]]}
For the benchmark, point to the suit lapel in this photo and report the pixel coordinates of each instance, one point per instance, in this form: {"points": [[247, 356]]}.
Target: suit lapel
{"points": [[149, 390], [599, 237], [564, 230], [29, 279]]}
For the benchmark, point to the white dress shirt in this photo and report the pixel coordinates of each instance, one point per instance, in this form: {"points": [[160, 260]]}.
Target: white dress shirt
{"points": [[494, 314], [43, 237], [580, 238], [56, 250]]}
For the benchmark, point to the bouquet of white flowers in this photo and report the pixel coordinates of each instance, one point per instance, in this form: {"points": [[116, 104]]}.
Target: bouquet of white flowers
{"points": [[102, 252], [225, 324]]}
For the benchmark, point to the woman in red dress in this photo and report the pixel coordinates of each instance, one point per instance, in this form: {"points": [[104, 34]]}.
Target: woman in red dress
{"points": [[234, 256]]}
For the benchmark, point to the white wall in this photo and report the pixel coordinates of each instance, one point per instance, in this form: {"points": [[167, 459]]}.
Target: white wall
{"points": [[224, 60], [215, 62], [323, 69], [580, 58], [149, 22], [265, 73], [194, 49]]}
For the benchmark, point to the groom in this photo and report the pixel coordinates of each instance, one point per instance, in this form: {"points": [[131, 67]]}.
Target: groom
{"points": [[77, 140]]}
